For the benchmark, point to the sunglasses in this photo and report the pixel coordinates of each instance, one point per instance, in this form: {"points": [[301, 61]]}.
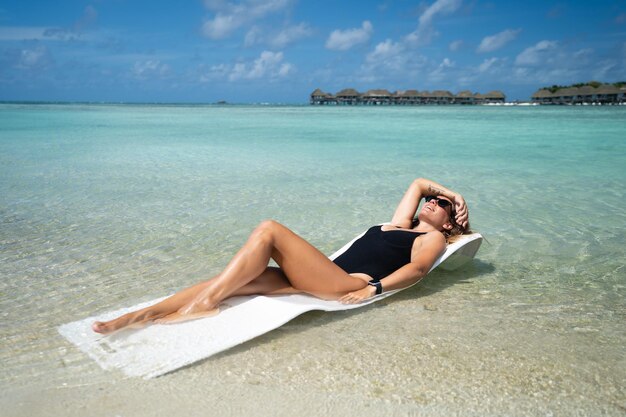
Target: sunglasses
{"points": [[440, 202]]}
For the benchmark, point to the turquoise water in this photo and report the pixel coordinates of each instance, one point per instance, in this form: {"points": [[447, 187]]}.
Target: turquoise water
{"points": [[102, 206]]}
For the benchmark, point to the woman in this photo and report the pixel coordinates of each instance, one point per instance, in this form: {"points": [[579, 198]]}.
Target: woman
{"points": [[387, 257]]}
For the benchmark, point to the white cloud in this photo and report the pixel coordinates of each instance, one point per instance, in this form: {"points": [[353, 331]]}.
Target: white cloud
{"points": [[582, 55], [221, 26], [231, 16], [385, 51], [604, 69], [387, 57], [342, 40], [150, 69], [214, 72], [267, 65], [425, 31], [33, 59], [18, 33], [440, 72], [455, 46], [535, 54], [497, 41], [14, 33], [290, 34], [487, 64], [279, 39], [254, 36], [391, 61], [446, 63], [398, 62]]}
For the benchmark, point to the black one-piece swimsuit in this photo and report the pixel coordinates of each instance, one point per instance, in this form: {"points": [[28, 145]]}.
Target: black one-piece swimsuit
{"points": [[378, 253]]}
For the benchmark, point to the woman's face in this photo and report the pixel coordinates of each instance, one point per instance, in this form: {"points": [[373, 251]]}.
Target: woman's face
{"points": [[437, 216]]}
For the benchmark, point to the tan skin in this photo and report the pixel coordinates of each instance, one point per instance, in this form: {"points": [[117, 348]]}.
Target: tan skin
{"points": [[303, 268]]}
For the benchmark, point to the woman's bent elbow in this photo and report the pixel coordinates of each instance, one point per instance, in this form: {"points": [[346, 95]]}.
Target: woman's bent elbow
{"points": [[420, 272]]}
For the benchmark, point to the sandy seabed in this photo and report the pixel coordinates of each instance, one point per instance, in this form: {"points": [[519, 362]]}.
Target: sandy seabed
{"points": [[310, 368]]}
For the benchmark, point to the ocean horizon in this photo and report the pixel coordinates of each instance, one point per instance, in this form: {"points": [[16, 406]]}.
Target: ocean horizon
{"points": [[105, 205]]}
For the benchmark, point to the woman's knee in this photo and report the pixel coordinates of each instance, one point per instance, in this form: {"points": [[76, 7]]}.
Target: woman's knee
{"points": [[267, 229], [269, 224]]}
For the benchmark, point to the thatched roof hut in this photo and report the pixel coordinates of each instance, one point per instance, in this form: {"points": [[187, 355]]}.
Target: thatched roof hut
{"points": [[441, 97], [442, 94], [464, 97], [376, 97], [376, 94], [495, 94], [410, 94], [348, 93], [319, 93], [320, 97], [607, 89], [566, 92], [587, 90], [542, 94], [348, 96]]}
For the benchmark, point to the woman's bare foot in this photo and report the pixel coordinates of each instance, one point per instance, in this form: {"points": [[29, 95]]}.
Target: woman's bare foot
{"points": [[134, 320], [107, 328], [177, 317]]}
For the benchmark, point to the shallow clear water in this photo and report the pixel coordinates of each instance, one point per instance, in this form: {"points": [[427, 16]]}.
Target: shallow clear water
{"points": [[105, 206]]}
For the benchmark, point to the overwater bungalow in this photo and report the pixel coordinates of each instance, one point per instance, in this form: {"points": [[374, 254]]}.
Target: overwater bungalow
{"points": [[611, 94], [542, 96], [566, 95], [319, 97], [426, 97], [442, 97], [377, 97], [408, 97], [479, 98], [494, 97], [585, 94], [464, 97], [348, 96]]}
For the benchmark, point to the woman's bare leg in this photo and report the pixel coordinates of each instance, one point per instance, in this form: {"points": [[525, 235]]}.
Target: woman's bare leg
{"points": [[306, 268], [271, 281], [303, 269]]}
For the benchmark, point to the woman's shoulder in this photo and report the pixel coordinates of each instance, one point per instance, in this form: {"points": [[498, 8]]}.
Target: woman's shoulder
{"points": [[434, 238]]}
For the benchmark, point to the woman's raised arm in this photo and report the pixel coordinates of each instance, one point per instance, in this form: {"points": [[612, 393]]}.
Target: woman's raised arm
{"points": [[419, 188]]}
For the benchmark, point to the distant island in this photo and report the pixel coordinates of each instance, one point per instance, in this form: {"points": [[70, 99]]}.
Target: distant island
{"points": [[593, 92], [350, 96]]}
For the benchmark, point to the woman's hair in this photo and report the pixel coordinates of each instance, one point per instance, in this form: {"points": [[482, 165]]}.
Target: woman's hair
{"points": [[453, 234], [457, 230]]}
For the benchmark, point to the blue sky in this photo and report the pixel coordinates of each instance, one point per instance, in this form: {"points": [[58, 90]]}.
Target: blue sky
{"points": [[281, 50]]}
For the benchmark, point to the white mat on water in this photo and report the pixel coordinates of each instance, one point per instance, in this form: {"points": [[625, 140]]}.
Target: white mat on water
{"points": [[158, 349]]}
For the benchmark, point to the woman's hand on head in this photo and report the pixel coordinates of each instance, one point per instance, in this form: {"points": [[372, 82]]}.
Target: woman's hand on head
{"points": [[460, 208], [358, 296]]}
